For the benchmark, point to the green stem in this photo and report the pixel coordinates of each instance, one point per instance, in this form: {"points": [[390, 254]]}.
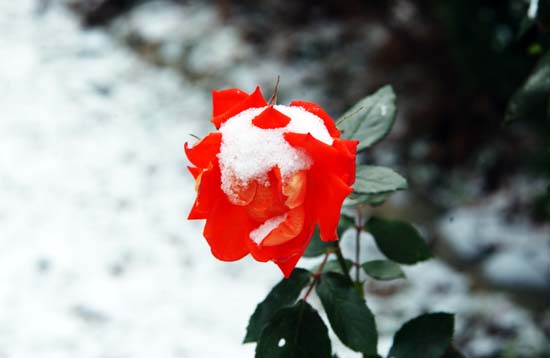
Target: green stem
{"points": [[358, 229], [357, 245], [342, 261]]}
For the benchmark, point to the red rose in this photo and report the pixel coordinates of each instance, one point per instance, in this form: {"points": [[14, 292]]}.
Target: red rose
{"points": [[268, 176]]}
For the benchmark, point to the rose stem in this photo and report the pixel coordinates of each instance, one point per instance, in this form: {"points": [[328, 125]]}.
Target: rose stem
{"points": [[317, 274], [357, 243], [342, 261]]}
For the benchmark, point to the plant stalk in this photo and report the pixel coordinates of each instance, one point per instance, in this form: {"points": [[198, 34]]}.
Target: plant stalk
{"points": [[357, 244], [342, 261], [317, 274]]}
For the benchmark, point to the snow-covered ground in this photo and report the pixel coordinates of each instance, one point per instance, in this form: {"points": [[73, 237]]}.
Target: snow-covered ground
{"points": [[97, 258], [511, 253]]}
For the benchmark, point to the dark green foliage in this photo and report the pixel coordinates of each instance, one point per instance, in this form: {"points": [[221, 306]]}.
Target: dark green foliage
{"points": [[398, 240], [383, 270], [480, 37], [348, 314], [533, 98], [371, 179], [295, 332], [371, 119], [426, 336], [453, 352], [543, 13], [374, 184], [283, 294], [318, 247], [334, 266]]}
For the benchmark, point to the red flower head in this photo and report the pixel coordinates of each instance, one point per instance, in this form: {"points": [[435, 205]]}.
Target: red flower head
{"points": [[268, 176]]}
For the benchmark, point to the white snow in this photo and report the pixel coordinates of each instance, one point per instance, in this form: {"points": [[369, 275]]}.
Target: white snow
{"points": [[266, 228], [248, 152], [519, 269], [97, 258], [303, 121], [533, 9], [512, 255]]}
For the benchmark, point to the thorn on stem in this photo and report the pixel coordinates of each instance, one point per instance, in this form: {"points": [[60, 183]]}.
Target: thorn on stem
{"points": [[273, 99]]}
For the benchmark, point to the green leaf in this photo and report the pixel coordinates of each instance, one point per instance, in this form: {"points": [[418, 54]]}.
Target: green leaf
{"points": [[398, 240], [453, 352], [348, 314], [371, 119], [334, 266], [524, 26], [318, 247], [383, 270], [543, 13], [295, 332], [344, 224], [533, 97], [370, 179], [355, 199], [373, 185], [285, 293], [426, 336]]}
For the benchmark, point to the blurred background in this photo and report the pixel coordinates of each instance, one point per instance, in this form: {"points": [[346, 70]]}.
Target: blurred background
{"points": [[97, 97]]}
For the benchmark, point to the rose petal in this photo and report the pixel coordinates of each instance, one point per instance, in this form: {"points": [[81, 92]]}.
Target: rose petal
{"points": [[335, 159], [226, 230], [204, 151], [347, 149], [195, 172], [244, 194], [287, 254], [208, 192], [222, 101], [329, 179], [328, 205], [270, 118], [268, 201], [294, 246], [254, 100], [287, 230], [287, 264], [295, 189], [319, 112]]}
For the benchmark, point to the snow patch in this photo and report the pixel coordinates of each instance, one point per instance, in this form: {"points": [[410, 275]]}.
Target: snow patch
{"points": [[248, 152], [533, 9], [266, 228], [520, 270], [303, 121]]}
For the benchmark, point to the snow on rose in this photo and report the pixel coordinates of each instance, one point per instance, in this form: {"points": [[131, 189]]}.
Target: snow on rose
{"points": [[268, 176]]}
